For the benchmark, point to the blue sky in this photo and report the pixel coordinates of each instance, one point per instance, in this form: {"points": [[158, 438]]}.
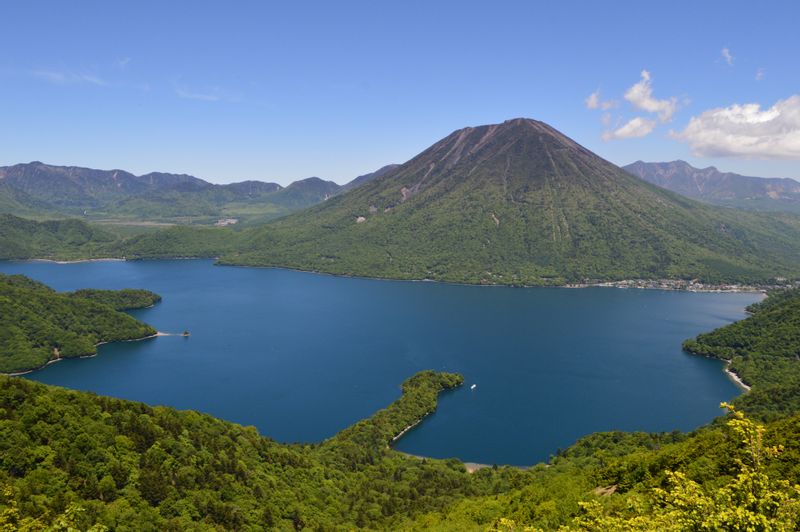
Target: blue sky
{"points": [[230, 91]]}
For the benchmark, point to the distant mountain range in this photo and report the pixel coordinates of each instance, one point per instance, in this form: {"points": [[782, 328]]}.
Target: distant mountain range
{"points": [[41, 190], [721, 188], [521, 203]]}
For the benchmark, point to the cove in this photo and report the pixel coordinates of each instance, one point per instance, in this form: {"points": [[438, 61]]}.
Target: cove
{"points": [[301, 356]]}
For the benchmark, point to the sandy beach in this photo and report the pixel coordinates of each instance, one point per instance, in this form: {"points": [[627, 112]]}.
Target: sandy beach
{"points": [[735, 378]]}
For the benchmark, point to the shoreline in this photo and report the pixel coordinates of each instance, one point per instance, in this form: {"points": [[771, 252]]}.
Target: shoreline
{"points": [[666, 284], [471, 467], [726, 368], [76, 261], [408, 428], [59, 359], [735, 378]]}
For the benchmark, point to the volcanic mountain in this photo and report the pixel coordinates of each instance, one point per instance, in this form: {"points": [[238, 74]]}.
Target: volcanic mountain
{"points": [[521, 203]]}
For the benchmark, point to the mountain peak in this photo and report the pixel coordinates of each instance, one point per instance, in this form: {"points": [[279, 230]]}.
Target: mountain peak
{"points": [[517, 139]]}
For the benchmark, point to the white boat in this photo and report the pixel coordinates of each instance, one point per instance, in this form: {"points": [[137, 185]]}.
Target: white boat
{"points": [[473, 386]]}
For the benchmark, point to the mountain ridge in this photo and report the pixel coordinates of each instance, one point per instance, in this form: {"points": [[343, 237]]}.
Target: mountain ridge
{"points": [[45, 191], [721, 188]]}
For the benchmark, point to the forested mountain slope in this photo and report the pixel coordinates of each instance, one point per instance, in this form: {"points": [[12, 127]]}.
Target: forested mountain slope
{"points": [[21, 238], [520, 203]]}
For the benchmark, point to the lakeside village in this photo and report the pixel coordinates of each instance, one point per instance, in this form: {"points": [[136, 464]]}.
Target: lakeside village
{"points": [[690, 285]]}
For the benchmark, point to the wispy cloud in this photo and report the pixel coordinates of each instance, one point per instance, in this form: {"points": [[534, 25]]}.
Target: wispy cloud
{"points": [[122, 62], [68, 77], [760, 73], [727, 56], [746, 131], [593, 101]]}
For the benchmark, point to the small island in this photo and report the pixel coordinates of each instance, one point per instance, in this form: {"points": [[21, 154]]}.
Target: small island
{"points": [[39, 326]]}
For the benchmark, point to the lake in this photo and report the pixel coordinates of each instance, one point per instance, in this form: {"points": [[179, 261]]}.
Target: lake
{"points": [[301, 356]]}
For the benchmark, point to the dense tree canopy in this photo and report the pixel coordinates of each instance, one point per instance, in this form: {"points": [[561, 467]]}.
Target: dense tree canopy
{"points": [[125, 299], [38, 325], [134, 467]]}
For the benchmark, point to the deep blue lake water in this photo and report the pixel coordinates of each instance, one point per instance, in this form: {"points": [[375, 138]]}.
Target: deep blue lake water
{"points": [[301, 356]]}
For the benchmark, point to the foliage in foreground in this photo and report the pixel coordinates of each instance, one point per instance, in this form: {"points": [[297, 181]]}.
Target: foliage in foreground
{"points": [[750, 500], [38, 325], [86, 460], [129, 466], [733, 476]]}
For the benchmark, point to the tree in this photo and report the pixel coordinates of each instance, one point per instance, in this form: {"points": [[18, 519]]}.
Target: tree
{"points": [[750, 501]]}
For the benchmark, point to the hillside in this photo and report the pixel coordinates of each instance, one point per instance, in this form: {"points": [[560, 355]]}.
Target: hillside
{"points": [[77, 459], [721, 188], [75, 239], [63, 239], [38, 325], [47, 191], [520, 203]]}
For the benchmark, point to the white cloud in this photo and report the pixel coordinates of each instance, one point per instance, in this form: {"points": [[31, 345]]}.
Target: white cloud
{"points": [[66, 77], [746, 131], [121, 63], [593, 101], [636, 127], [760, 74], [641, 96], [726, 55]]}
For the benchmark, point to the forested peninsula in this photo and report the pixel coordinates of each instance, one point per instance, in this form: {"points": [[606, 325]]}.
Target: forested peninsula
{"points": [[39, 325], [764, 351], [75, 459]]}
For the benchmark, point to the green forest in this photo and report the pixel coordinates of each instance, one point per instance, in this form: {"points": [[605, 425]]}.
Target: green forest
{"points": [[39, 325], [764, 351], [465, 244], [75, 460]]}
